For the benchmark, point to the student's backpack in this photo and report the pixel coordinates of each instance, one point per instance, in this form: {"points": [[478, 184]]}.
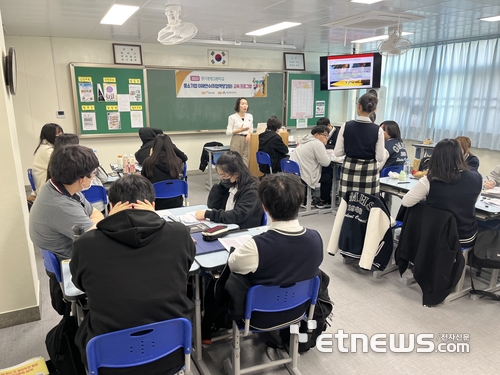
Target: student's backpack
{"points": [[424, 164], [60, 343], [485, 254]]}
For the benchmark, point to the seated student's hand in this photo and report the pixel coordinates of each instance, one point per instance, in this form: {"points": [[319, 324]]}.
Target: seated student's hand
{"points": [[120, 207], [489, 184], [200, 215], [140, 205]]}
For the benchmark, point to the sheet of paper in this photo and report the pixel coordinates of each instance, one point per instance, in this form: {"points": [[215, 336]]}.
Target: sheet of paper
{"points": [[114, 121], [110, 92], [301, 123], [89, 121], [320, 108], [136, 119], [86, 91], [123, 103], [135, 93], [188, 218], [235, 242], [495, 190]]}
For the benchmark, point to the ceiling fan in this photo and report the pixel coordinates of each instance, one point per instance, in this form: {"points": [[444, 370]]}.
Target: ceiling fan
{"points": [[176, 31], [395, 45]]}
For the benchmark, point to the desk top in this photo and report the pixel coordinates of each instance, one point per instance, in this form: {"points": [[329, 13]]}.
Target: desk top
{"points": [[217, 148], [421, 145], [179, 211]]}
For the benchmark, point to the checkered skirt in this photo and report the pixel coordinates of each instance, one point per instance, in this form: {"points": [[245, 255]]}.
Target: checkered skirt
{"points": [[360, 175]]}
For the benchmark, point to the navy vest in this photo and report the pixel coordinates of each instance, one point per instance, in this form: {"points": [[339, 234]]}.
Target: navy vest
{"points": [[287, 259], [360, 139]]}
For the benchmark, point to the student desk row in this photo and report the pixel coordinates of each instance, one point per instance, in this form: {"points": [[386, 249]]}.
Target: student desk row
{"points": [[206, 262]]}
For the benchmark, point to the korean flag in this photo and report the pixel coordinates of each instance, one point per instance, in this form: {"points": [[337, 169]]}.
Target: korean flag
{"points": [[218, 58]]}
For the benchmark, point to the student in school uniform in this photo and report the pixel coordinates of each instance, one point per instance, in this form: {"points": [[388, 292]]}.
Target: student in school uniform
{"points": [[362, 143], [471, 160], [165, 163], [333, 132], [234, 199], [271, 143], [452, 186], [240, 126], [147, 136], [393, 144], [41, 156], [493, 179]]}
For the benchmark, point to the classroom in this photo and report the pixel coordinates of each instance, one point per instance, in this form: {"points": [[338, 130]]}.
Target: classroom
{"points": [[49, 36]]}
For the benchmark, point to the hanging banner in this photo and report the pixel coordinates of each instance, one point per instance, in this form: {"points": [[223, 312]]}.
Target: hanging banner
{"points": [[220, 84]]}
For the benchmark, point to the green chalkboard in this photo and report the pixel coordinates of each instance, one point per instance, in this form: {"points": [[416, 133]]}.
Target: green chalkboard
{"points": [[96, 89], [318, 96], [170, 113]]}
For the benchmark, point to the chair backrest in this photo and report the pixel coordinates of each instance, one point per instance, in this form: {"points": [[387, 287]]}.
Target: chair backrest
{"points": [[265, 159], [171, 189], [276, 298], [184, 170], [51, 263], [393, 168], [264, 219], [139, 345], [31, 180], [289, 166], [96, 193]]}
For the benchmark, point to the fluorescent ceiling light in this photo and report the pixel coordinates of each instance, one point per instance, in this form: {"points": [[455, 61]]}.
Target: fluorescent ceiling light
{"points": [[242, 44], [375, 38], [118, 14], [365, 1], [491, 19], [273, 28]]}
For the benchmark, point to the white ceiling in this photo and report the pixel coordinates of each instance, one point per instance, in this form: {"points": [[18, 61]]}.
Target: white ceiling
{"points": [[231, 19]]}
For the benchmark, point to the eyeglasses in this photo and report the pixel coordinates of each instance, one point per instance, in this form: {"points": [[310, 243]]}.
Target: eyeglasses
{"points": [[92, 174], [324, 135]]}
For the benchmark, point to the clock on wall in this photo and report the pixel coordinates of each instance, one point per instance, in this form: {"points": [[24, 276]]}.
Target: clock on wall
{"points": [[11, 71]]}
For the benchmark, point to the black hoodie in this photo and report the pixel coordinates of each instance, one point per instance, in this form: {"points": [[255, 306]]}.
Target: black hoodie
{"points": [[271, 143], [134, 269], [147, 135]]}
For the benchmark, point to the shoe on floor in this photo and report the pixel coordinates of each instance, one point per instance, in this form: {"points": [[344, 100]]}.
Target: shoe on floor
{"points": [[323, 204]]}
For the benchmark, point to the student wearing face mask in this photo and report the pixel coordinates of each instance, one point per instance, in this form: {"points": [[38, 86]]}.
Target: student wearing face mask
{"points": [[234, 200]]}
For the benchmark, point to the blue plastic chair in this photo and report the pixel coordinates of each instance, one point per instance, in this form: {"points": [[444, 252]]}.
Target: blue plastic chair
{"points": [[289, 166], [184, 170], [273, 299], [171, 189], [393, 168], [140, 345], [95, 194], [31, 180], [51, 263], [264, 159]]}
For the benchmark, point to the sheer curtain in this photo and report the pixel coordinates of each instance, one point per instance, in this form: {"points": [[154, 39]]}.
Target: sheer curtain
{"points": [[446, 90]]}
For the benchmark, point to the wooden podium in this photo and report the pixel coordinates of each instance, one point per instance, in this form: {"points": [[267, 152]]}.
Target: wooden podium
{"points": [[254, 147]]}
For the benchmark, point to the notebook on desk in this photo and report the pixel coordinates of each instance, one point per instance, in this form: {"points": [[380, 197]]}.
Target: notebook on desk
{"points": [[204, 247]]}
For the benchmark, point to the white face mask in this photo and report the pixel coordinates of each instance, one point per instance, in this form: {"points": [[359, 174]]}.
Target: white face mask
{"points": [[88, 187]]}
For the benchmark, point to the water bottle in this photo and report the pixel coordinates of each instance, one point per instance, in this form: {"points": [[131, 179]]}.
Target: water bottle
{"points": [[402, 176], [119, 162], [407, 167]]}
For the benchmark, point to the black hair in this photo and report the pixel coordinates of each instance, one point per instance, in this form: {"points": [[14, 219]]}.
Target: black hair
{"points": [[368, 103], [372, 116], [320, 129], [273, 123], [163, 153], [61, 141], [232, 163], [446, 162], [323, 121], [281, 194], [237, 105], [373, 92], [72, 162], [392, 128], [49, 133], [131, 188]]}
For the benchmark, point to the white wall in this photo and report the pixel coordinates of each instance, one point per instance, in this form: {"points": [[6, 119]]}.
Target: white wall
{"points": [[45, 87], [19, 285]]}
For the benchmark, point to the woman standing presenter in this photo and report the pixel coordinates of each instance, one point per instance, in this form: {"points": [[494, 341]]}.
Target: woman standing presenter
{"points": [[240, 126]]}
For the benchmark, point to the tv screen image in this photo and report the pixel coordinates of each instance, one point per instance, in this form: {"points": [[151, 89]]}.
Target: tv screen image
{"points": [[361, 71]]}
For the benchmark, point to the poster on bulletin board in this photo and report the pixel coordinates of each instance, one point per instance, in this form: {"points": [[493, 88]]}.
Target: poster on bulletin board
{"points": [[108, 99]]}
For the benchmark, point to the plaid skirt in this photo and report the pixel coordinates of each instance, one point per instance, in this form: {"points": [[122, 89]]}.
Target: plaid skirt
{"points": [[360, 175]]}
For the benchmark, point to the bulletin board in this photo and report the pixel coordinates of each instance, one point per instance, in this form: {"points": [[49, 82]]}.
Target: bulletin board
{"points": [[109, 100], [305, 99]]}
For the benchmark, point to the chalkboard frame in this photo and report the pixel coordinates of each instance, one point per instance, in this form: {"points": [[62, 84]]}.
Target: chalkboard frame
{"points": [[76, 106]]}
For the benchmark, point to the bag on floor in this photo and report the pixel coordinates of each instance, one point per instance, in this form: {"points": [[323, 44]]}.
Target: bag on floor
{"points": [[60, 343]]}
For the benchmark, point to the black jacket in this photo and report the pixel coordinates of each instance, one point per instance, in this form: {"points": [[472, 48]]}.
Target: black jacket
{"points": [[330, 144], [204, 154], [134, 269], [147, 137], [271, 143], [429, 239], [247, 211]]}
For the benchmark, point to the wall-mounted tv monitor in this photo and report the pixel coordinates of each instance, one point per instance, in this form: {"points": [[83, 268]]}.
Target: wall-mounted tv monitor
{"points": [[346, 72]]}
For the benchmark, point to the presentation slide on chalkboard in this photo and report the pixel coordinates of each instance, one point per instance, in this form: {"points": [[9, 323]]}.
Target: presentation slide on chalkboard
{"points": [[197, 101], [108, 99]]}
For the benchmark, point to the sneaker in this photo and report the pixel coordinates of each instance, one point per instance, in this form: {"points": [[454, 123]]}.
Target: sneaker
{"points": [[323, 204]]}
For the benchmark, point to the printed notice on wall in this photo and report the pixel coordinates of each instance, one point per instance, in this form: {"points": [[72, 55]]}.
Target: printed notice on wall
{"points": [[86, 92], [110, 92], [136, 120], [301, 123], [114, 121], [88, 121], [135, 92], [320, 108], [123, 103], [302, 101]]}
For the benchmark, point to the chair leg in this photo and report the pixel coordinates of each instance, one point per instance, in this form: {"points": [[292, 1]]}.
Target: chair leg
{"points": [[187, 361], [459, 289], [233, 367]]}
